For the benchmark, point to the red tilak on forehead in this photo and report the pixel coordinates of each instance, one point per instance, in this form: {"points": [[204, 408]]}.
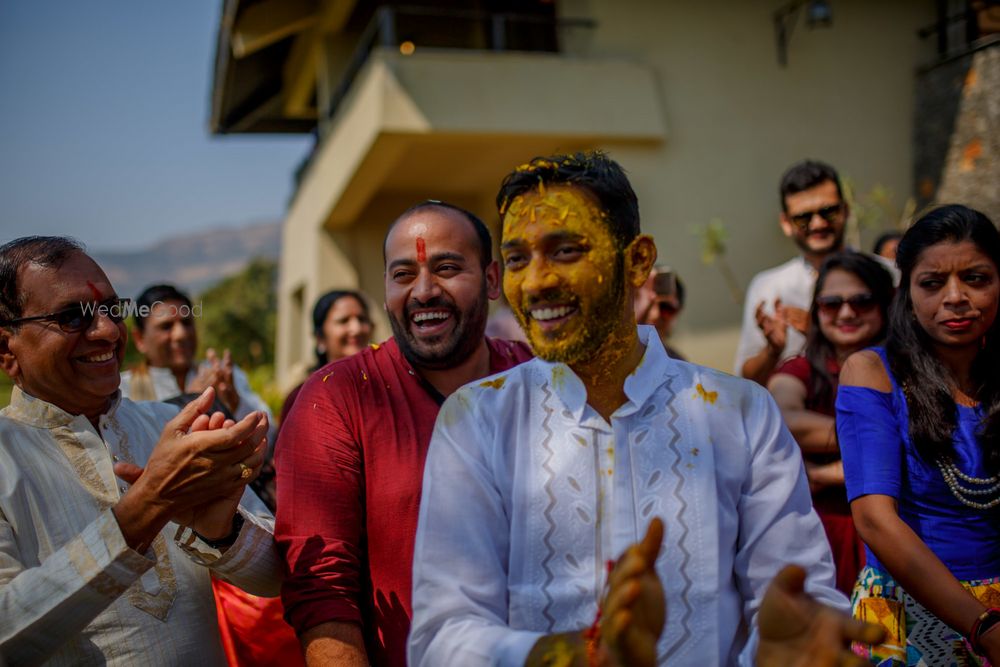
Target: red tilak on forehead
{"points": [[421, 249], [93, 290]]}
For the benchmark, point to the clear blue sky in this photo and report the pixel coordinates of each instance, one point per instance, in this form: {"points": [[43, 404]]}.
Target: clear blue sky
{"points": [[104, 126]]}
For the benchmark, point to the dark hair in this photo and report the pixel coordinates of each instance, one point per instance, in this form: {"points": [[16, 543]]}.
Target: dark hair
{"points": [[153, 294], [322, 309], [804, 175], [819, 350], [482, 231], [593, 171], [885, 238], [680, 291], [48, 251], [926, 383]]}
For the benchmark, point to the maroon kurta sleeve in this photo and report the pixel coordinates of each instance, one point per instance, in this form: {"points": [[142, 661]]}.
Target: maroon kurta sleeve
{"points": [[320, 520]]}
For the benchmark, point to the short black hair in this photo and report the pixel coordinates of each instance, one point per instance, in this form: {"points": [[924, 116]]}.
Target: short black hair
{"points": [[593, 171], [48, 251], [883, 239], [154, 294], [482, 231], [805, 175]]}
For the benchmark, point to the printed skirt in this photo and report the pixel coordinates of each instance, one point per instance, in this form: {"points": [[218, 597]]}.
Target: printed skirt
{"points": [[914, 636]]}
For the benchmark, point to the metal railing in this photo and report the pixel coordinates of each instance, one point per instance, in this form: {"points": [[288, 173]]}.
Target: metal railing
{"points": [[958, 31], [483, 31]]}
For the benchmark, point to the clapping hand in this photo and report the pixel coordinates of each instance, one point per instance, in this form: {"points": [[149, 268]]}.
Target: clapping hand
{"points": [[195, 474], [796, 630], [634, 611]]}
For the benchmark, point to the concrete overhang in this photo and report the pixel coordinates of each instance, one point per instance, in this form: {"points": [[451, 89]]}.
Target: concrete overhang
{"points": [[442, 122]]}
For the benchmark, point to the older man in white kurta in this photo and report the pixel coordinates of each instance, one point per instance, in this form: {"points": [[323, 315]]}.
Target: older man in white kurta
{"points": [[527, 492], [71, 591]]}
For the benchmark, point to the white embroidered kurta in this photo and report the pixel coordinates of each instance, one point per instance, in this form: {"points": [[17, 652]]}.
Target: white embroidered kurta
{"points": [[528, 491], [71, 590]]}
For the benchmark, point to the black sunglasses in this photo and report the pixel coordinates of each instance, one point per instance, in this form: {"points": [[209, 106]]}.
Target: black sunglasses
{"points": [[859, 303], [80, 316], [668, 307], [829, 213]]}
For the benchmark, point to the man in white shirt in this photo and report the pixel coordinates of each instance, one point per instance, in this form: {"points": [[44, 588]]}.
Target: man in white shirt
{"points": [[813, 215], [539, 475], [111, 513]]}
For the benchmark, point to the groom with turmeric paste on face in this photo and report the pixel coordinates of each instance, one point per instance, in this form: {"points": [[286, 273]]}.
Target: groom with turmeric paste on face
{"points": [[540, 475]]}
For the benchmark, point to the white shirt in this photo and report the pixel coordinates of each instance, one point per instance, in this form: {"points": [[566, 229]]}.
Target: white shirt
{"points": [[527, 492], [71, 591], [792, 282]]}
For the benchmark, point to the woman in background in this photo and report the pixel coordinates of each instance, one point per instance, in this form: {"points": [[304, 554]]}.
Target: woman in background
{"points": [[849, 312], [919, 427], [341, 327]]}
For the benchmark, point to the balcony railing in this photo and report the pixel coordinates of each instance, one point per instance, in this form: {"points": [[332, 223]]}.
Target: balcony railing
{"points": [[960, 29], [410, 28]]}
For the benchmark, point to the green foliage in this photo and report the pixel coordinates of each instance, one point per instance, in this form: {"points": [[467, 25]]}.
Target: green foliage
{"points": [[713, 238], [6, 384], [240, 314], [264, 385]]}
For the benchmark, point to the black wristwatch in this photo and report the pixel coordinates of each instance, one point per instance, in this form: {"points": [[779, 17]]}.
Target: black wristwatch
{"points": [[228, 540]]}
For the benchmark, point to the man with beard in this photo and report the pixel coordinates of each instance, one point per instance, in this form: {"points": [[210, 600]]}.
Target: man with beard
{"points": [[775, 313], [538, 475], [351, 455]]}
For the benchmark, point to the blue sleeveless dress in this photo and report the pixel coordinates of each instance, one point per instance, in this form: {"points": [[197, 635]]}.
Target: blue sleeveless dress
{"points": [[879, 458]]}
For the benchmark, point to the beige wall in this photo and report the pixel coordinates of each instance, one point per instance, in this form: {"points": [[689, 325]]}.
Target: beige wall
{"points": [[733, 119], [736, 120]]}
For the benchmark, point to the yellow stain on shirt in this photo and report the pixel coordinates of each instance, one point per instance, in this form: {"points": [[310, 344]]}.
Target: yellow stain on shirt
{"points": [[364, 377], [494, 384], [327, 376], [375, 346], [558, 376], [707, 396]]}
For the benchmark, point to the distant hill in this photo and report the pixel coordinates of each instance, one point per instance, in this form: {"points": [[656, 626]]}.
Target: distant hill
{"points": [[193, 262]]}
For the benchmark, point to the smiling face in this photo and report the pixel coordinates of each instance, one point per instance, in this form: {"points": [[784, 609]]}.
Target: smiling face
{"points": [[564, 275], [814, 219], [346, 329], [77, 372], [436, 291], [168, 338], [954, 289], [848, 326]]}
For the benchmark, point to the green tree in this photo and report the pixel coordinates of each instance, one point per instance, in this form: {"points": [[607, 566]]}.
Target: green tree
{"points": [[239, 314]]}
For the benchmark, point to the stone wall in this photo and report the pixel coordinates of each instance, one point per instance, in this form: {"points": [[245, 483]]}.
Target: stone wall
{"points": [[957, 132]]}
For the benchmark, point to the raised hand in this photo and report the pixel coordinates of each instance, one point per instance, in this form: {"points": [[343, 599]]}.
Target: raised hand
{"points": [[798, 631], [774, 327], [634, 610], [797, 318]]}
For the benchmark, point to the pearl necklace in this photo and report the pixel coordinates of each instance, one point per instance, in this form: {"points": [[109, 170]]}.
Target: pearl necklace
{"points": [[952, 475]]}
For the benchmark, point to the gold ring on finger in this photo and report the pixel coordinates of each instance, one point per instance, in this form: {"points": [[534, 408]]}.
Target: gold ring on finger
{"points": [[245, 471]]}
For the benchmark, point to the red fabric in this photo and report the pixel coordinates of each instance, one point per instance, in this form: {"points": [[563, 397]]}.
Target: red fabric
{"points": [[831, 503], [350, 461], [252, 629], [798, 367]]}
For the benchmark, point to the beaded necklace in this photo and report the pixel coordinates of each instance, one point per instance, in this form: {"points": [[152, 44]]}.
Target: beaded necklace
{"points": [[989, 486]]}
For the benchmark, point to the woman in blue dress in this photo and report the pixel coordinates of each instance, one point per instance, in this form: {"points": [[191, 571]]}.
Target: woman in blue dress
{"points": [[919, 430]]}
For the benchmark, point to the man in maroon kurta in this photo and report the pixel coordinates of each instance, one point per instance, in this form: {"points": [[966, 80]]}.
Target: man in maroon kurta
{"points": [[350, 457]]}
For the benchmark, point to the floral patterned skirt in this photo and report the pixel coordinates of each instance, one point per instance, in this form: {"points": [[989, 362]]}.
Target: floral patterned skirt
{"points": [[914, 636]]}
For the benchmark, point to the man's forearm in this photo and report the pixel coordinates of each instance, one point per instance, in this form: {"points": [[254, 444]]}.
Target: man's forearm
{"points": [[336, 644], [45, 606]]}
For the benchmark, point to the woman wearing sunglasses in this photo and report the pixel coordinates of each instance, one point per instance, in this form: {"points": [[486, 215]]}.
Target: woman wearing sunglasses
{"points": [[919, 426], [849, 312]]}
